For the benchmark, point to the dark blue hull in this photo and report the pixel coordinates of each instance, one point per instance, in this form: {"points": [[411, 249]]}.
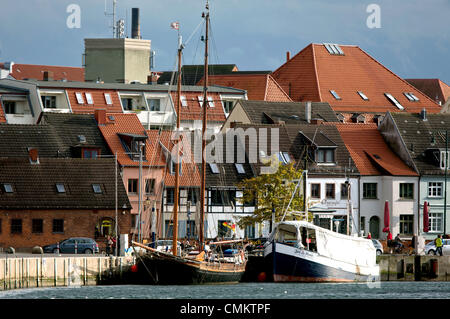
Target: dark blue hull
{"points": [[288, 268]]}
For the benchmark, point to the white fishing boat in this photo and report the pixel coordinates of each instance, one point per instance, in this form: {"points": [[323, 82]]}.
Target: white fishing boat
{"points": [[303, 252]]}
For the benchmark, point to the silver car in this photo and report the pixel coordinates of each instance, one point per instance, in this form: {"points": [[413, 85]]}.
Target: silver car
{"points": [[430, 248], [378, 246]]}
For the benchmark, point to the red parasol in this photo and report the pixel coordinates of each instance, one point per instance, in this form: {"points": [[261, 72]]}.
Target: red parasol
{"points": [[426, 221], [386, 217]]}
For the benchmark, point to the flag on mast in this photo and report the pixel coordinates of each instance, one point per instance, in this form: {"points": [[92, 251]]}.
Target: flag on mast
{"points": [[175, 25]]}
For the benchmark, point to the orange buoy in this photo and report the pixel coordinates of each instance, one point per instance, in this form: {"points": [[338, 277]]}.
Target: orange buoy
{"points": [[262, 276]]}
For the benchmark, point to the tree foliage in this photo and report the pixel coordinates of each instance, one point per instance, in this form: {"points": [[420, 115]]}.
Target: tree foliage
{"points": [[271, 192]]}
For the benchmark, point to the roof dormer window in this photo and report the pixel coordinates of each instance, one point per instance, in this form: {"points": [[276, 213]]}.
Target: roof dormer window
{"points": [[325, 156]]}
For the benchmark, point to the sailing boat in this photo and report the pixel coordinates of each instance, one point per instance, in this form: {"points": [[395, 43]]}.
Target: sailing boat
{"points": [[210, 265]]}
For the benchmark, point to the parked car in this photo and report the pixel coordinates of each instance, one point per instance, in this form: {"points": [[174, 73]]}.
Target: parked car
{"points": [[430, 248], [84, 246], [378, 246]]}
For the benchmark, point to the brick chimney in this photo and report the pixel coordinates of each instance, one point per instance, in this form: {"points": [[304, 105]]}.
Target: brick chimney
{"points": [[288, 55], [100, 116], [33, 155], [48, 76], [316, 121]]}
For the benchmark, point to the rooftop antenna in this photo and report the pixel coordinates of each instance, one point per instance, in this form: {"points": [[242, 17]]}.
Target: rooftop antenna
{"points": [[113, 14]]}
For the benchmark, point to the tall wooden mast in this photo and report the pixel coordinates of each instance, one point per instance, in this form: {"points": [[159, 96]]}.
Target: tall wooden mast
{"points": [[205, 106], [177, 148]]}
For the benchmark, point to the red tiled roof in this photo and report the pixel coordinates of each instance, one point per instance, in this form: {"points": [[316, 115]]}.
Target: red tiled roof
{"points": [[98, 96], [34, 71], [433, 88], [193, 111], [130, 124], [259, 87], [190, 174], [313, 72], [370, 152]]}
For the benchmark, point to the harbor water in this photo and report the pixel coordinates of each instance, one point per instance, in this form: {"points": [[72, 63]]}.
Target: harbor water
{"points": [[377, 290]]}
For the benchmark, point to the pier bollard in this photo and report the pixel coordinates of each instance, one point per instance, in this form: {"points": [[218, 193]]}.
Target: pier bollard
{"points": [[76, 248], [57, 248], [434, 268]]}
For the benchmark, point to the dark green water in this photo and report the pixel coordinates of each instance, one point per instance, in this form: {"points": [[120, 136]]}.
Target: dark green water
{"points": [[383, 290]]}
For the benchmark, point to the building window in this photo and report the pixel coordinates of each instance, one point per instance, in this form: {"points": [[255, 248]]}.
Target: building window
{"points": [[127, 104], [79, 97], [330, 191], [58, 226], [149, 185], [325, 155], [193, 196], [228, 106], [443, 159], [37, 226], [200, 100], [315, 190], [49, 102], [214, 168], [97, 188], [435, 220], [170, 196], [184, 101], [108, 99], [89, 98], [406, 191], [406, 224], [240, 168], [211, 101], [60, 188], [344, 191], [154, 104], [435, 189], [223, 197], [90, 153], [335, 95], [16, 226], [370, 190], [10, 107], [7, 188], [132, 185]]}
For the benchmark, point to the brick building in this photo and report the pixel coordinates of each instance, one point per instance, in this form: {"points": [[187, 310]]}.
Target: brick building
{"points": [[45, 200]]}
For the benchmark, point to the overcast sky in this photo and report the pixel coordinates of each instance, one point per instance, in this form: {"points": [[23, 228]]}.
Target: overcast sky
{"points": [[412, 41]]}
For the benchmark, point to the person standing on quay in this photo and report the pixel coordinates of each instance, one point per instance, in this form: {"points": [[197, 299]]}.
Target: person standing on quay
{"points": [[438, 243]]}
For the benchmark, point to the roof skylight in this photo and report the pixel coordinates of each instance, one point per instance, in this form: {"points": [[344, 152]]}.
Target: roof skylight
{"points": [[336, 96], [60, 188], [97, 188], [240, 168], [214, 168], [7, 188], [363, 96], [410, 96], [394, 101], [333, 49]]}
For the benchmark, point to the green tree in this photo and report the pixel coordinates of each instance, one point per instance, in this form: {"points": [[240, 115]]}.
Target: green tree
{"points": [[271, 192]]}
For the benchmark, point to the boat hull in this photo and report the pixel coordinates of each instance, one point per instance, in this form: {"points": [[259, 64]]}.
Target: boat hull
{"points": [[295, 265], [165, 270]]}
